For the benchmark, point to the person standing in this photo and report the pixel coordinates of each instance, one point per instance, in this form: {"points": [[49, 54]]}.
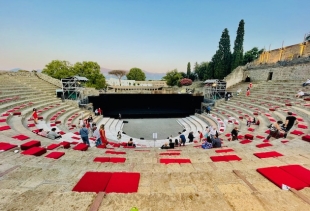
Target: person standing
{"points": [[35, 115], [96, 112], [208, 109], [274, 130], [191, 136], [119, 116], [102, 136], [248, 91], [289, 123], [96, 134], [234, 134], [99, 111], [84, 135], [200, 136]]}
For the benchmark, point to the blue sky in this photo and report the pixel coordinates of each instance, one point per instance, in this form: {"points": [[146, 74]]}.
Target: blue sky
{"points": [[154, 35]]}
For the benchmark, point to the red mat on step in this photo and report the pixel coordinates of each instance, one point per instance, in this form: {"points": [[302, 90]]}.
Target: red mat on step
{"points": [[225, 158], [31, 125], [6, 146], [306, 138], [260, 137], [76, 138], [115, 152], [55, 155], [297, 132], [167, 161], [21, 137], [303, 126], [284, 141], [110, 159], [279, 177], [102, 159], [298, 171], [5, 127], [76, 133], [52, 146], [93, 182], [117, 160], [264, 145], [240, 136], [2, 120], [30, 144], [224, 150], [248, 136], [123, 182], [245, 141], [251, 129], [37, 151], [65, 144], [170, 153], [81, 147], [270, 154]]}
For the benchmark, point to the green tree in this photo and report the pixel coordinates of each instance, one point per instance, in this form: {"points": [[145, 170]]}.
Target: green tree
{"points": [[251, 55], [201, 71], [90, 70], [59, 69], [188, 69], [119, 74], [136, 74], [172, 77], [221, 61], [237, 57]]}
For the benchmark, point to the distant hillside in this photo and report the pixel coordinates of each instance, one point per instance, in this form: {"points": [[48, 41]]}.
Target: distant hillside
{"points": [[149, 75]]}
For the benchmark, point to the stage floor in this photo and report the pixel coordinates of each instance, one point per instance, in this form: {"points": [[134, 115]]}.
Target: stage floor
{"points": [[164, 127]]}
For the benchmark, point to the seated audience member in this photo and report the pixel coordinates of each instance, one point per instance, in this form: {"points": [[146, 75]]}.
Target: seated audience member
{"points": [[216, 142], [171, 144], [182, 139], [248, 122], [206, 145], [306, 83], [119, 135], [254, 121], [275, 129], [165, 146], [300, 94], [234, 134], [130, 143], [238, 92], [90, 119], [191, 136], [42, 133], [53, 135], [176, 142], [258, 122]]}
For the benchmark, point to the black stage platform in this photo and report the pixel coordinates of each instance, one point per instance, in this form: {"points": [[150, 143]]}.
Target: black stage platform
{"points": [[147, 105]]}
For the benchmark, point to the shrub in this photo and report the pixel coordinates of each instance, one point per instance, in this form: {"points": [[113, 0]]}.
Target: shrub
{"points": [[186, 82]]}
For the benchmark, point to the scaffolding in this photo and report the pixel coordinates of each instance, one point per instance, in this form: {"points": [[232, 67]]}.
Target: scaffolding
{"points": [[214, 89], [72, 88]]}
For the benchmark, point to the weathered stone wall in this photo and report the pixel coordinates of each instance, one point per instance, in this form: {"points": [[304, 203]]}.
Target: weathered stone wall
{"points": [[286, 53], [49, 79], [236, 76], [294, 72]]}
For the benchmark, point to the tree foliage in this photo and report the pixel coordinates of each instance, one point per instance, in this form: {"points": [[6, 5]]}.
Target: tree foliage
{"points": [[119, 74], [172, 77], [251, 55], [237, 57], [220, 64], [136, 74], [201, 71], [188, 69], [63, 69]]}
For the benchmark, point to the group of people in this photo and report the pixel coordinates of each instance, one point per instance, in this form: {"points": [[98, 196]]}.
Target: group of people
{"points": [[252, 121], [98, 133], [98, 111], [277, 127], [49, 134]]}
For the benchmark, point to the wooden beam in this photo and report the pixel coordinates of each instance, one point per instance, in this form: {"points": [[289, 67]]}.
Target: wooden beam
{"points": [[97, 202], [300, 195], [238, 173]]}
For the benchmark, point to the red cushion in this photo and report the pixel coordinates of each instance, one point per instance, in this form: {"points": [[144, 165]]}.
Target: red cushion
{"points": [[245, 141], [37, 151], [303, 126], [117, 160], [263, 145], [288, 104], [57, 122], [123, 182], [270, 154], [297, 132], [6, 146], [40, 117], [5, 114], [306, 138], [248, 136], [76, 138], [167, 161], [17, 113], [29, 144], [279, 177], [102, 159], [272, 109], [2, 120], [225, 158], [114, 152], [240, 117], [52, 125], [93, 182], [21, 137], [31, 125], [5, 127], [224, 150], [298, 171], [251, 129], [65, 144], [169, 153], [240, 136], [52, 146], [284, 141], [55, 155], [61, 133], [81, 147], [255, 113], [76, 133], [260, 137], [228, 135]]}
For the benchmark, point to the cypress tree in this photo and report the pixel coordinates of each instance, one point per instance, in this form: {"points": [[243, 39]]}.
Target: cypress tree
{"points": [[188, 69], [237, 57]]}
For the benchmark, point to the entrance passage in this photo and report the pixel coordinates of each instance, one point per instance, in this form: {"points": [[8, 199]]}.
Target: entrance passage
{"points": [[270, 76]]}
